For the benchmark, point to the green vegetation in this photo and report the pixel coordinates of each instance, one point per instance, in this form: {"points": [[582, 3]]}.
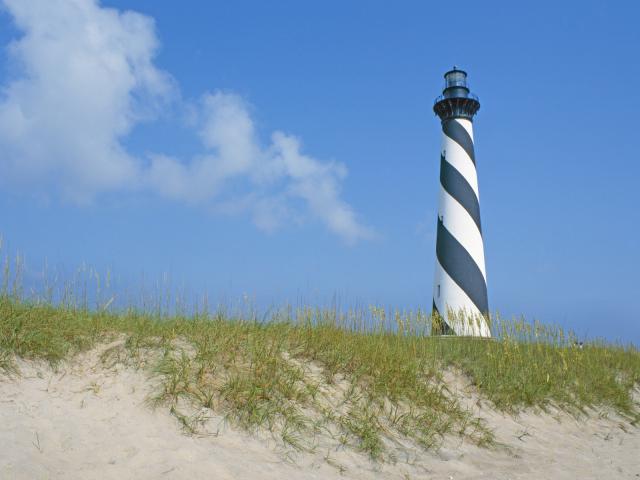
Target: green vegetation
{"points": [[362, 378], [304, 373]]}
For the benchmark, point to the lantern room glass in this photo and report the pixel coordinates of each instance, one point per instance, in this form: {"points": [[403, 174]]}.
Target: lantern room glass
{"points": [[455, 78]]}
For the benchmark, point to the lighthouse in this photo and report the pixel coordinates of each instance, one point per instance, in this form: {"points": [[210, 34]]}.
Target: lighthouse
{"points": [[460, 304]]}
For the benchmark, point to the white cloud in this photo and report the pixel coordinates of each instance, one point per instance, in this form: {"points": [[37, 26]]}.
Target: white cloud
{"points": [[275, 173], [85, 78]]}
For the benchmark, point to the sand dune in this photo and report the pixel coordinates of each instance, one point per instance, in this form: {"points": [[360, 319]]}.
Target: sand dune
{"points": [[86, 421]]}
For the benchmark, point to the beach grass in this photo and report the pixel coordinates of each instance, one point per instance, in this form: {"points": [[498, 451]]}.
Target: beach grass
{"points": [[309, 371], [365, 378]]}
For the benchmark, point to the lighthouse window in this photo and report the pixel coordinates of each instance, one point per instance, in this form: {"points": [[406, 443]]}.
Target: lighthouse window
{"points": [[438, 290], [456, 78]]}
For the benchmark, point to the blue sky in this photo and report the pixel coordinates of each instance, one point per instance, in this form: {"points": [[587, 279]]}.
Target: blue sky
{"points": [[288, 150]]}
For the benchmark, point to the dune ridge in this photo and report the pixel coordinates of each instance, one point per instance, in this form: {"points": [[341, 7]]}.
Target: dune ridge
{"points": [[86, 419]]}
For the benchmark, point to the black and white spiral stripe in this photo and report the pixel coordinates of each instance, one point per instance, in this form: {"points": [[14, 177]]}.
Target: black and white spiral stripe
{"points": [[460, 279]]}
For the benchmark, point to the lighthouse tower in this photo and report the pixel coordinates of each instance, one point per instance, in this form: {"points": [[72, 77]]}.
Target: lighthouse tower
{"points": [[460, 304]]}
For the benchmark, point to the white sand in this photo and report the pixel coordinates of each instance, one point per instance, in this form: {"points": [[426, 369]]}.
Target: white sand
{"points": [[88, 422]]}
